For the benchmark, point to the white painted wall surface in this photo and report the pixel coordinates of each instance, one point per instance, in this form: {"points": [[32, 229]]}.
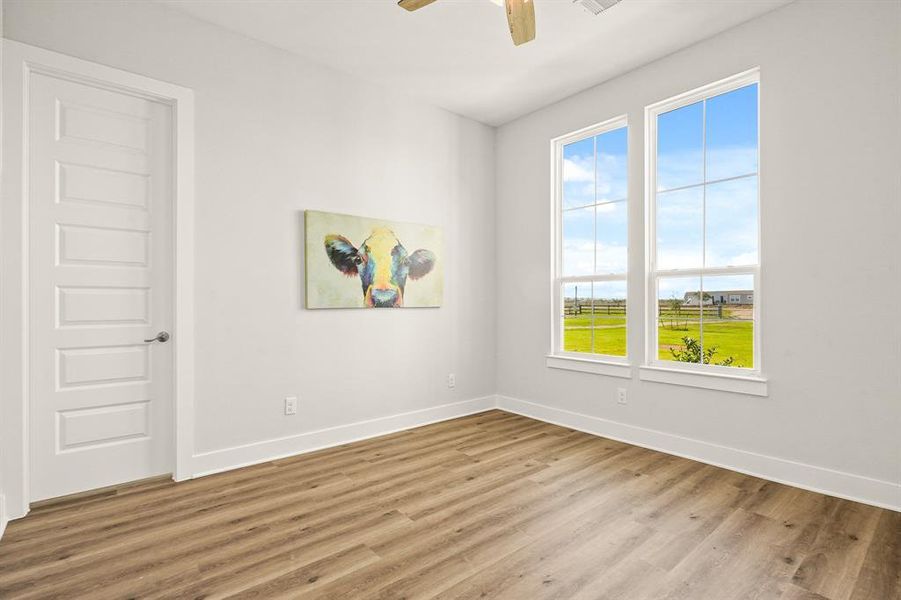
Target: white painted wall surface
{"points": [[276, 135], [3, 513], [831, 211]]}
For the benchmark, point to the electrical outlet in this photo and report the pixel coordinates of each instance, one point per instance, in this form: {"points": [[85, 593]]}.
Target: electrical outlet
{"points": [[451, 381], [291, 405], [620, 395]]}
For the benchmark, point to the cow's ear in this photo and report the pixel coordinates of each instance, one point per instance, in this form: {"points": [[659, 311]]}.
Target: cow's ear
{"points": [[421, 263], [342, 253]]}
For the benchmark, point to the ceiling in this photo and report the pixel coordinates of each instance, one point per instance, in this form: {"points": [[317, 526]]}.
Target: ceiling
{"points": [[457, 54]]}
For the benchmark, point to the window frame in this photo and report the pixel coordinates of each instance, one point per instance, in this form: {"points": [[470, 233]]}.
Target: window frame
{"points": [[606, 364], [652, 275]]}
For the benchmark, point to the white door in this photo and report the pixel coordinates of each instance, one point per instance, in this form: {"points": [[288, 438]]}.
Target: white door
{"points": [[100, 192]]}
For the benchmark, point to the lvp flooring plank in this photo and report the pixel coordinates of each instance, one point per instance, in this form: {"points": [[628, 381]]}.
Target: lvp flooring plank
{"points": [[491, 505], [880, 575]]}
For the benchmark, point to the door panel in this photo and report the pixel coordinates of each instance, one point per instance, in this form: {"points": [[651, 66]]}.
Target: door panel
{"points": [[84, 427], [102, 245], [88, 306], [79, 183], [103, 365], [100, 271]]}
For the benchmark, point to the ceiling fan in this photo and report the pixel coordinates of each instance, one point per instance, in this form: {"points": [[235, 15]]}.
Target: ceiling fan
{"points": [[520, 16]]}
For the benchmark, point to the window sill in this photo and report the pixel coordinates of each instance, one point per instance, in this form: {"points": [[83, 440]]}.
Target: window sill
{"points": [[753, 385], [588, 365]]}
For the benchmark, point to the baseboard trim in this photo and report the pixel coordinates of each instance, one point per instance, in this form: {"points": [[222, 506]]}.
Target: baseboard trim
{"points": [[217, 461], [4, 517], [883, 494]]}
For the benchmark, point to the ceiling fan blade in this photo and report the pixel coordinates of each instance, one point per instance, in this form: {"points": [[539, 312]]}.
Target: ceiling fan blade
{"points": [[521, 17], [412, 5]]}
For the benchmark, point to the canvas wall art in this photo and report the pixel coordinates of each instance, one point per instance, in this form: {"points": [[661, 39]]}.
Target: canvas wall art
{"points": [[358, 262]]}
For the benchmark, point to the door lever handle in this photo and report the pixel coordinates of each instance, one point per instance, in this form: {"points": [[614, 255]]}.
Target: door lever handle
{"points": [[161, 337]]}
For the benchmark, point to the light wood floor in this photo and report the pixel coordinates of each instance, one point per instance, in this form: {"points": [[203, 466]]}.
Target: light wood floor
{"points": [[488, 506]]}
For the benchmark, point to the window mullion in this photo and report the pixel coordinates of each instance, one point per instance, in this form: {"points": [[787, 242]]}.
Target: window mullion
{"points": [[710, 271], [590, 278], [600, 203], [711, 182]]}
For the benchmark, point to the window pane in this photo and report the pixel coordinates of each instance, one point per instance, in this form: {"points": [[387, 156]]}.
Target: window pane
{"points": [[578, 241], [729, 326], [679, 319], [732, 133], [680, 143], [731, 221], [680, 228], [577, 317], [578, 173], [611, 250], [612, 165], [609, 311]]}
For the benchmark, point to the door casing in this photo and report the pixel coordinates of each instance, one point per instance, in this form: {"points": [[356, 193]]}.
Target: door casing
{"points": [[19, 63]]}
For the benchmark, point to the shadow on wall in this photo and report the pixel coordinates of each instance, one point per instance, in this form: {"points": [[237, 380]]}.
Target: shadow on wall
{"points": [[299, 254]]}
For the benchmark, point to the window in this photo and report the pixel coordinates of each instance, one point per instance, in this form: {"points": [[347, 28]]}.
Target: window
{"points": [[591, 217], [703, 231]]}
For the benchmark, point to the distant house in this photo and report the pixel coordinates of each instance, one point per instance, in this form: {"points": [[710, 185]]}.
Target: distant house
{"points": [[721, 297]]}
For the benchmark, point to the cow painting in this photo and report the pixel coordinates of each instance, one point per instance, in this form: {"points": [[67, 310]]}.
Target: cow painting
{"points": [[361, 262], [382, 263]]}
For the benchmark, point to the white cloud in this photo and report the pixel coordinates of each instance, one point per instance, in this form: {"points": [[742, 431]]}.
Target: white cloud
{"points": [[578, 256], [678, 258], [577, 169], [612, 258], [719, 259], [611, 177]]}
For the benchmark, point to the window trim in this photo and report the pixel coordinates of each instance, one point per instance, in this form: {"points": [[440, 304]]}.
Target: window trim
{"points": [[754, 385], [578, 360], [570, 362], [673, 372]]}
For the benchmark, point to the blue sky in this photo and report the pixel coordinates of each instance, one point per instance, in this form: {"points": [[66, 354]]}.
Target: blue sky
{"points": [[602, 205], [729, 124]]}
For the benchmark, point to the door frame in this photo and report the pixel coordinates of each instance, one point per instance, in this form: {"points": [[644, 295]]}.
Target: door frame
{"points": [[19, 62]]}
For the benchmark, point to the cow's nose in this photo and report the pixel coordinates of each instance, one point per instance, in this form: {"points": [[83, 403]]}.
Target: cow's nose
{"points": [[384, 297]]}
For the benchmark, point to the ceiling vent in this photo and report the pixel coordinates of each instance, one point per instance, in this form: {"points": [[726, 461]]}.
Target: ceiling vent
{"points": [[596, 7]]}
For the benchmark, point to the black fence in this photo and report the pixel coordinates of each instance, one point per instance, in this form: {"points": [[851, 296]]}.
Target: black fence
{"points": [[665, 311], [572, 309], [689, 313]]}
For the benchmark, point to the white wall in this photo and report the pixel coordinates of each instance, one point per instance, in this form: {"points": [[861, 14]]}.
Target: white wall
{"points": [[3, 514], [276, 135], [831, 210]]}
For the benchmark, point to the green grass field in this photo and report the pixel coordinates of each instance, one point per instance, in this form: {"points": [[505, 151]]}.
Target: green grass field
{"points": [[609, 335], [732, 338]]}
